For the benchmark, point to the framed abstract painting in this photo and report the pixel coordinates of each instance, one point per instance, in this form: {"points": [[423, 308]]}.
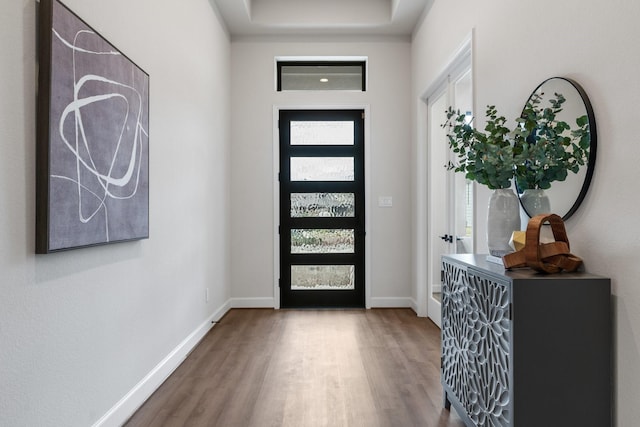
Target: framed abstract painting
{"points": [[92, 157]]}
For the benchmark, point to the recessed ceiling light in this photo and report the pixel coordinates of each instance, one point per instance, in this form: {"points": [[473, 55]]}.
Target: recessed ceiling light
{"points": [[324, 80]]}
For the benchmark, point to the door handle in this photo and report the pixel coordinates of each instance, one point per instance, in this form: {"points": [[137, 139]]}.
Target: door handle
{"points": [[447, 238]]}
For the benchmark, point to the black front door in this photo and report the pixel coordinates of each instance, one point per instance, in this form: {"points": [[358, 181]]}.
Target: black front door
{"points": [[322, 208]]}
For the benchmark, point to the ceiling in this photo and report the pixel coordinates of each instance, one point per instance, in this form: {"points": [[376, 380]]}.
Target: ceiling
{"points": [[246, 18]]}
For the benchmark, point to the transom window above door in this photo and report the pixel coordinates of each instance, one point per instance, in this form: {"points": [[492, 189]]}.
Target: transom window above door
{"points": [[321, 75]]}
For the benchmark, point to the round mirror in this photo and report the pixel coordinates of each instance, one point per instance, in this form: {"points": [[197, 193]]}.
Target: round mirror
{"points": [[556, 148]]}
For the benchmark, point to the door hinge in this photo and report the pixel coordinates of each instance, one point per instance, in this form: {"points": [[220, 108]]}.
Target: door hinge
{"points": [[279, 283], [363, 115]]}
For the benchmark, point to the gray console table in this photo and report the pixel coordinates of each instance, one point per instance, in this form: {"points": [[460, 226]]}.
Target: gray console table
{"points": [[520, 348]]}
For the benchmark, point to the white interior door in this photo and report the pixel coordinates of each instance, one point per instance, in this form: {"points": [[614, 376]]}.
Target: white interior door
{"points": [[450, 211]]}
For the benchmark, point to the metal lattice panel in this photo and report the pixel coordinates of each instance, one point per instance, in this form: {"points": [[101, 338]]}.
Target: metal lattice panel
{"points": [[476, 345], [455, 330]]}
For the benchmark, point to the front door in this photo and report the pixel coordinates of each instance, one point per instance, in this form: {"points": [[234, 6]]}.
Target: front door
{"points": [[322, 208]]}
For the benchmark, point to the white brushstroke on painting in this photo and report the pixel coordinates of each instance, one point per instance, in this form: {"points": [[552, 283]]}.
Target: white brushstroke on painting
{"points": [[74, 111], [79, 49]]}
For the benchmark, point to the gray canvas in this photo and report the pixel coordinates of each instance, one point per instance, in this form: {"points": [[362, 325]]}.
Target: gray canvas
{"points": [[98, 139]]}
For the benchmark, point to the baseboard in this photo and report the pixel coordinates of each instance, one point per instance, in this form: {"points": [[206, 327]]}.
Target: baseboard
{"points": [[414, 306], [391, 302], [267, 302], [130, 403]]}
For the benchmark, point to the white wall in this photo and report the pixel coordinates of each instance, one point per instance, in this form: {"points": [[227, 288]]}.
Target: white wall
{"points": [[78, 330], [254, 97], [517, 46]]}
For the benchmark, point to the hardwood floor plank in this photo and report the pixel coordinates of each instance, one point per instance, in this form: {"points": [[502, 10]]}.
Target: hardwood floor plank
{"points": [[307, 368]]}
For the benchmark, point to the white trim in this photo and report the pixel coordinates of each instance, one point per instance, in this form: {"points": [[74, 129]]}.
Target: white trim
{"points": [[369, 204], [267, 302], [435, 311], [392, 302], [460, 58], [414, 307], [276, 208], [367, 192], [425, 304], [321, 58], [131, 402], [421, 215]]}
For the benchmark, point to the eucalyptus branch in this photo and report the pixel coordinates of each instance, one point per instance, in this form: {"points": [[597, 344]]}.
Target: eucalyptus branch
{"points": [[539, 150], [485, 157]]}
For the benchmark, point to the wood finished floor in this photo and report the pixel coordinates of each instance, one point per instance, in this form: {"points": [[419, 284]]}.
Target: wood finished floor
{"points": [[307, 368]]}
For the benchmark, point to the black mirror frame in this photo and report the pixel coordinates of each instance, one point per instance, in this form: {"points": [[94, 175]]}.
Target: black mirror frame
{"points": [[593, 144]]}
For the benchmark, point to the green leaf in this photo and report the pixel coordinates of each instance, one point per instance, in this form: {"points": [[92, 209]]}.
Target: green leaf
{"points": [[582, 121]]}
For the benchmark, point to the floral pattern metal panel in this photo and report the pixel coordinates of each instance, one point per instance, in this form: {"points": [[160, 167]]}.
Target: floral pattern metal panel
{"points": [[476, 333], [455, 332]]}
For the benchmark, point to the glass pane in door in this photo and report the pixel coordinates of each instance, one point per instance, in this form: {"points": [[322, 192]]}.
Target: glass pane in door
{"points": [[322, 241], [313, 205], [463, 188], [322, 169], [322, 277], [463, 214], [322, 133]]}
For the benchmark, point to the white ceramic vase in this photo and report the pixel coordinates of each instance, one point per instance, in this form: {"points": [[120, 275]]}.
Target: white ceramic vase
{"points": [[503, 219], [535, 201]]}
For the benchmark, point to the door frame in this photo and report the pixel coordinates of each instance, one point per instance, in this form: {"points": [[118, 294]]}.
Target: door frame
{"points": [[425, 304], [276, 192]]}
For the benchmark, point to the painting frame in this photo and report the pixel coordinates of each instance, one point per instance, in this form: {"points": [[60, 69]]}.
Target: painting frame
{"points": [[92, 137]]}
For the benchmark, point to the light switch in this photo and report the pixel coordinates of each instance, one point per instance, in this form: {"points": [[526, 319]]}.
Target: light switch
{"points": [[385, 201]]}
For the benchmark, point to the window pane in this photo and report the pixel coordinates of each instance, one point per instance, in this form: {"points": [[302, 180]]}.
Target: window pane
{"points": [[322, 241], [321, 133], [322, 169], [322, 277], [321, 76], [304, 205]]}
